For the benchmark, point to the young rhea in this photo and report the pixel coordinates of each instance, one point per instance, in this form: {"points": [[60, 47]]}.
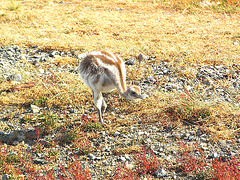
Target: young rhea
{"points": [[104, 71]]}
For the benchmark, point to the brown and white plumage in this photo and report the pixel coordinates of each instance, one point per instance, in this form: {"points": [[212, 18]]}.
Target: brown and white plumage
{"points": [[104, 71]]}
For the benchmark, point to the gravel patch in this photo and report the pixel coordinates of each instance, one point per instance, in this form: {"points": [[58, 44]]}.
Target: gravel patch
{"points": [[106, 157]]}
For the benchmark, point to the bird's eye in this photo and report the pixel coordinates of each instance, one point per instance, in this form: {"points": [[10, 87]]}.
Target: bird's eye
{"points": [[133, 92]]}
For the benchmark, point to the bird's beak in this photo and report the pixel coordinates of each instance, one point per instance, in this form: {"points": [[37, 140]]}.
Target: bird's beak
{"points": [[143, 96]]}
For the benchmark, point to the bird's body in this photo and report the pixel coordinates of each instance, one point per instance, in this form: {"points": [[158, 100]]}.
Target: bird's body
{"points": [[104, 71]]}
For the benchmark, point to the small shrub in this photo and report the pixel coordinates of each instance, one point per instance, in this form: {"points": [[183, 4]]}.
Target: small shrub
{"points": [[85, 21], [48, 122], [53, 153], [77, 139], [13, 7], [20, 164], [90, 124], [125, 173], [38, 147], [9, 160], [226, 170], [12, 159], [188, 112], [68, 137], [83, 145], [74, 171], [216, 169], [146, 164], [41, 101]]}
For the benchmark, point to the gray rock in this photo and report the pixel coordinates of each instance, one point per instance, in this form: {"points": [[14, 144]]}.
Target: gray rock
{"points": [[86, 112], [223, 142], [121, 116], [122, 159], [160, 173], [148, 141], [127, 157], [91, 156], [131, 61], [53, 53], [42, 59], [207, 82], [199, 132], [142, 57], [10, 53], [35, 62], [39, 161], [6, 176], [91, 110], [14, 77], [73, 70], [190, 138], [166, 71], [116, 134], [73, 53], [145, 96], [29, 149]]}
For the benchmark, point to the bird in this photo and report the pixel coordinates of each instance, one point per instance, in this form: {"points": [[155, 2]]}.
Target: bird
{"points": [[104, 71]]}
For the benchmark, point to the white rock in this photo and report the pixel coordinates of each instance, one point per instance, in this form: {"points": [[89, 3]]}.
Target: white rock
{"points": [[129, 166], [41, 71], [144, 96], [215, 155], [35, 109]]}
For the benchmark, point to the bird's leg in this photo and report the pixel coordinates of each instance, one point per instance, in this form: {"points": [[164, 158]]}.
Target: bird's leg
{"points": [[100, 116], [104, 106], [98, 101]]}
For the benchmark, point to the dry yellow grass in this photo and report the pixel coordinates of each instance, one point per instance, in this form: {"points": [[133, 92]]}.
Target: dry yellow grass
{"points": [[125, 27]]}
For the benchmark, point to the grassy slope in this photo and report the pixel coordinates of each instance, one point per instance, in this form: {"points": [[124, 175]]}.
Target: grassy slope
{"points": [[128, 28]]}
